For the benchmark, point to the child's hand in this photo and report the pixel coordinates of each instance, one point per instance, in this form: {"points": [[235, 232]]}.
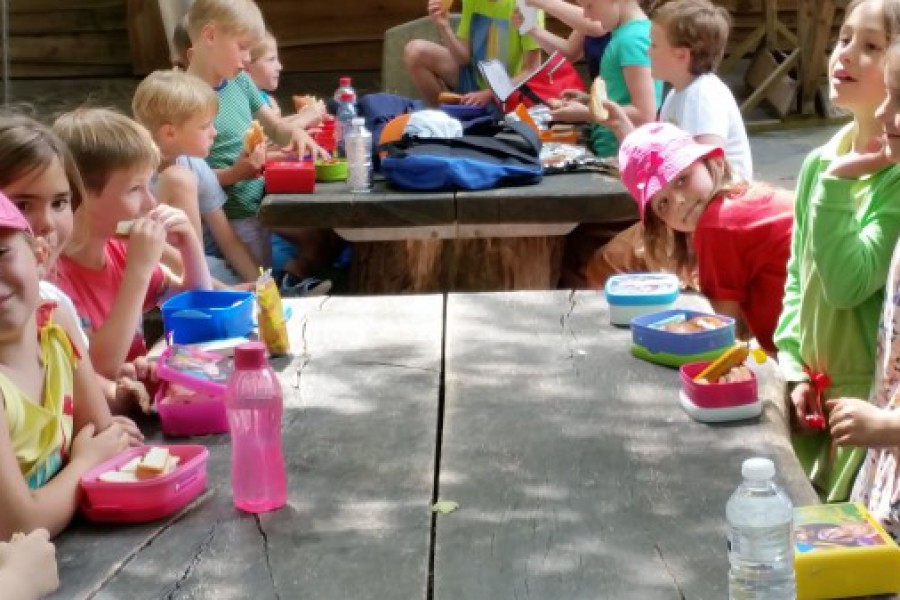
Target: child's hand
{"points": [[303, 144], [857, 164], [176, 224], [248, 166], [135, 437], [94, 449], [146, 243], [571, 112], [618, 121], [132, 392], [480, 98], [855, 422], [141, 368], [30, 560], [438, 14], [802, 400], [575, 96]]}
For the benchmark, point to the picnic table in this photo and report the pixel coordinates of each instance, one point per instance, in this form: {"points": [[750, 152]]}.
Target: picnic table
{"points": [[498, 239], [576, 473]]}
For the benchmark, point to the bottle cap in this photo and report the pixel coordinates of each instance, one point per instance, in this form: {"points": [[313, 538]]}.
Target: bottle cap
{"points": [[345, 81], [357, 121], [249, 356], [758, 469]]}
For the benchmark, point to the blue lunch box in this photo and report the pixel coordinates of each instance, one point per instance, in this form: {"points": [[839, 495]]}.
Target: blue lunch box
{"points": [[206, 315], [639, 294], [674, 349]]}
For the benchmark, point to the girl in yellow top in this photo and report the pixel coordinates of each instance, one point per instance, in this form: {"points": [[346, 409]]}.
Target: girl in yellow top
{"points": [[43, 451]]}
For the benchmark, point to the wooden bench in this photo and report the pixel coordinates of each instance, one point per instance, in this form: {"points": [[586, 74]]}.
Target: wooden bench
{"points": [[500, 239], [576, 472]]}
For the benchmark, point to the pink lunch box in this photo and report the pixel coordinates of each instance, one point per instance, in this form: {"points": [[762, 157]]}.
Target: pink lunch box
{"points": [[189, 405], [148, 500]]}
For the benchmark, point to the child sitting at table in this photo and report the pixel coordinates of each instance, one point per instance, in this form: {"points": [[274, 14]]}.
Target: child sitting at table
{"points": [[178, 110], [846, 223], [484, 32], [222, 33], [43, 451], [876, 425], [111, 267], [39, 176], [738, 234], [625, 68], [265, 70]]}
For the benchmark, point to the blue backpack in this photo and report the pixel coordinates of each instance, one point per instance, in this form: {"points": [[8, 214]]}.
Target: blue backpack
{"points": [[506, 155]]}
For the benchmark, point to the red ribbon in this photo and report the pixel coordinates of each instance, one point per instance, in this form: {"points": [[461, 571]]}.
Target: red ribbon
{"points": [[820, 382]]}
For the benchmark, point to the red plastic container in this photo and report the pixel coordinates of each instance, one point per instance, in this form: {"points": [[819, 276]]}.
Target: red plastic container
{"points": [[290, 177], [148, 500], [716, 395], [190, 405], [326, 135]]}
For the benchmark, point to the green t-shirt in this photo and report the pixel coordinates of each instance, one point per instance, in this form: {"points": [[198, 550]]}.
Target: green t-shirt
{"points": [[487, 27], [239, 101], [629, 46], [844, 235]]}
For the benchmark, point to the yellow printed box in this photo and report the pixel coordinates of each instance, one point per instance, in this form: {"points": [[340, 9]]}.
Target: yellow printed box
{"points": [[842, 552]]}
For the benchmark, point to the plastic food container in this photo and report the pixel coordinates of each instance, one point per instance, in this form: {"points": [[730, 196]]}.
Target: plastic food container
{"points": [[651, 343], [639, 294], [206, 315], [190, 398], [325, 134], [290, 177], [718, 402], [333, 170], [148, 500]]}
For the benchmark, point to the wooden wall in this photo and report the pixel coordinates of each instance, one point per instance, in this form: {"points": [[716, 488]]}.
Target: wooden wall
{"points": [[70, 38]]}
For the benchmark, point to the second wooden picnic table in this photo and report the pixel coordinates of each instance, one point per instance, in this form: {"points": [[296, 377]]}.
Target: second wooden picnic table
{"points": [[498, 239]]}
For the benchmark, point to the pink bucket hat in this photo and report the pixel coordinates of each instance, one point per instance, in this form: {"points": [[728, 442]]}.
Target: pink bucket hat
{"points": [[653, 155], [10, 217]]}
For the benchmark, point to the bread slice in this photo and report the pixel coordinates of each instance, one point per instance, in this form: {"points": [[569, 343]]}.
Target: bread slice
{"points": [[131, 465], [153, 464], [123, 228], [598, 95], [254, 137], [449, 98], [118, 477]]}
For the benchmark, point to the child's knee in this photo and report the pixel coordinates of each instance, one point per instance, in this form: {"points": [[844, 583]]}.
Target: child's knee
{"points": [[415, 53]]}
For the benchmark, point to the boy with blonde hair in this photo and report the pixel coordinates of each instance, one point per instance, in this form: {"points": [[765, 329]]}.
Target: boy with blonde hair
{"points": [[222, 34], [178, 110], [111, 266]]}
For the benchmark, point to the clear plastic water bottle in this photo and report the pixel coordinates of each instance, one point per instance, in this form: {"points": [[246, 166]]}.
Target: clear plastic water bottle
{"points": [[760, 537], [359, 156], [345, 96], [254, 404]]}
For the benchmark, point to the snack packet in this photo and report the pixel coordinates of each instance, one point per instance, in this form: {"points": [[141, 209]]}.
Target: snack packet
{"points": [[270, 316]]}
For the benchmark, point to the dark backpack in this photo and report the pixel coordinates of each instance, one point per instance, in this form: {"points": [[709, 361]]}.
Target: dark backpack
{"points": [[498, 156]]}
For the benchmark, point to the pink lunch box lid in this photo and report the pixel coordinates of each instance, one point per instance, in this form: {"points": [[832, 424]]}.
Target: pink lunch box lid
{"points": [[148, 500], [205, 386]]}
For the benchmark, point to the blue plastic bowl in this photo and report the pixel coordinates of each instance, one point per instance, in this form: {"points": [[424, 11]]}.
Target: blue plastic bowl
{"points": [[675, 349], [207, 315]]}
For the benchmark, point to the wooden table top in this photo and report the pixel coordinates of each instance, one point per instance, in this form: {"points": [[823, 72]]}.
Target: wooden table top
{"points": [[566, 198], [576, 472]]}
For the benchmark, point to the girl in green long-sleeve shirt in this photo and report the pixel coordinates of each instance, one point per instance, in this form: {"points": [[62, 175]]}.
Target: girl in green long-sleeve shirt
{"points": [[846, 222]]}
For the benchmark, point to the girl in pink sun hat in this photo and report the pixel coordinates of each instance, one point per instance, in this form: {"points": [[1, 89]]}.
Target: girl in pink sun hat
{"points": [[736, 234]]}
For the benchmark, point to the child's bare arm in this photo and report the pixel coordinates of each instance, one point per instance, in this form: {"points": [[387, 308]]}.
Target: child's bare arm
{"points": [[570, 14], [572, 47], [285, 134], [110, 341], [458, 48], [643, 95], [247, 166], [177, 187], [181, 235], [54, 505], [236, 253]]}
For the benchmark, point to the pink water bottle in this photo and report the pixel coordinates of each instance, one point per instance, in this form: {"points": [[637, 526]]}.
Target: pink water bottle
{"points": [[254, 404]]}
